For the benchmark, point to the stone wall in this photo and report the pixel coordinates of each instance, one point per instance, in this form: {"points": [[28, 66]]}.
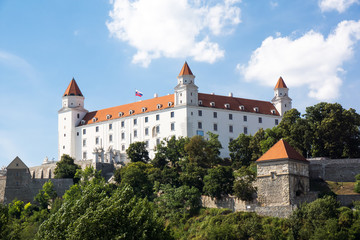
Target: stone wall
{"points": [[276, 211], [337, 170], [347, 200], [2, 188], [233, 203]]}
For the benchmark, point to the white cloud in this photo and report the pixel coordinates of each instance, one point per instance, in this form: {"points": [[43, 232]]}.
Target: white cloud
{"points": [[338, 5], [21, 65], [310, 60], [274, 4], [173, 28]]}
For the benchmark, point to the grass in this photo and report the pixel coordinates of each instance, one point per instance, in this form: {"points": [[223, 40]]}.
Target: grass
{"points": [[342, 188]]}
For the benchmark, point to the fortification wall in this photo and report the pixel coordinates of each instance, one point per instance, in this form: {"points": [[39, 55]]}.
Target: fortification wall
{"points": [[276, 211], [231, 202], [337, 170], [347, 200], [2, 188]]}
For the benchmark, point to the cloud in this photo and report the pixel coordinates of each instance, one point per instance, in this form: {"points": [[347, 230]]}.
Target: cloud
{"points": [[21, 65], [173, 28], [338, 5], [310, 60]]}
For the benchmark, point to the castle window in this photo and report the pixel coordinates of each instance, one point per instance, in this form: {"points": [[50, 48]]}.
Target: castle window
{"points": [[123, 147], [199, 125], [231, 128], [245, 130], [157, 117], [157, 141], [82, 121], [64, 147], [273, 111], [280, 94], [170, 104], [77, 133], [147, 131], [260, 119], [131, 112], [135, 121], [200, 113], [245, 118], [180, 101], [97, 129], [122, 124], [146, 119], [230, 116], [84, 131], [285, 105], [147, 143], [273, 175], [230, 140], [242, 108], [84, 155], [121, 114], [110, 126], [94, 119], [78, 115], [200, 102], [172, 127], [215, 114], [108, 116], [200, 132], [135, 133], [122, 136], [172, 114], [215, 127], [110, 138], [256, 109], [159, 106], [276, 122], [212, 104], [84, 142], [157, 129], [144, 109], [97, 140], [64, 134], [227, 105]]}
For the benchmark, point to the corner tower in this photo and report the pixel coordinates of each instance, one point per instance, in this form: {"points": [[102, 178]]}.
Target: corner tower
{"points": [[281, 99], [186, 92], [69, 116]]}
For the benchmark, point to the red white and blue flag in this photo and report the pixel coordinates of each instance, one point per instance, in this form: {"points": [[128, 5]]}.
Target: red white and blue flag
{"points": [[138, 93]]}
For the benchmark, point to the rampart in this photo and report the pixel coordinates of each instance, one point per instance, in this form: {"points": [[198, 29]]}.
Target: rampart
{"points": [[337, 170]]}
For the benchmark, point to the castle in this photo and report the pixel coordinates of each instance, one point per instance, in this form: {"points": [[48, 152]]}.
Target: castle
{"points": [[104, 135]]}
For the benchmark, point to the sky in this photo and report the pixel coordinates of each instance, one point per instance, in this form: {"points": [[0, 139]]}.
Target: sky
{"points": [[112, 48]]}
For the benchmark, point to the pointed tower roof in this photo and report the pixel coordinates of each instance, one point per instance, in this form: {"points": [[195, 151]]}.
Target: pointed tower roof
{"points": [[17, 164], [281, 150], [185, 70], [73, 89], [280, 83]]}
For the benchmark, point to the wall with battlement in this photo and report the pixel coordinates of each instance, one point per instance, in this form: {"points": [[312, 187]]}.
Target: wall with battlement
{"points": [[337, 170]]}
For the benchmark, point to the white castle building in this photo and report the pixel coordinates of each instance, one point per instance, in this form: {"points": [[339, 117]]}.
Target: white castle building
{"points": [[104, 135]]}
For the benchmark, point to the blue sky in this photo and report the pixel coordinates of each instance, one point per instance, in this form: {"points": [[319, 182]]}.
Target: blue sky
{"points": [[112, 48]]}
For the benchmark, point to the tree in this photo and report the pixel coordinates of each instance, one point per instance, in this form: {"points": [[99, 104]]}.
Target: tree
{"points": [[244, 184], [4, 218], [193, 175], [137, 152], [46, 195], [66, 168], [219, 182], [240, 152], [169, 151], [100, 214], [255, 146]]}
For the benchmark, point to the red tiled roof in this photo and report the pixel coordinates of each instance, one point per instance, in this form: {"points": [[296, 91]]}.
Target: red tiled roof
{"points": [[281, 150], [280, 83], [185, 70], [148, 105], [248, 105], [73, 89]]}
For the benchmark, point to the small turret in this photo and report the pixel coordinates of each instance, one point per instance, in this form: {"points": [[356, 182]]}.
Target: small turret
{"points": [[281, 100], [186, 92]]}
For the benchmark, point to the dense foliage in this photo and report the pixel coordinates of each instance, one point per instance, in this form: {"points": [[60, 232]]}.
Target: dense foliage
{"points": [[66, 168]]}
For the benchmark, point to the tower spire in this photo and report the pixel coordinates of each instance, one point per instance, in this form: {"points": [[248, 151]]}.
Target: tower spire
{"points": [[280, 83], [185, 70], [73, 89]]}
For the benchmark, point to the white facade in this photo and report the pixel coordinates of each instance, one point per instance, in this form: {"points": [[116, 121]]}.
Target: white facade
{"points": [[105, 135]]}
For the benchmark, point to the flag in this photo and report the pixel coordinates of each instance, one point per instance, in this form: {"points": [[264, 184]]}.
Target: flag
{"points": [[138, 93]]}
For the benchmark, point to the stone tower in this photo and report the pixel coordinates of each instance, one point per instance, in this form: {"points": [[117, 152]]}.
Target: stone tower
{"points": [[281, 99], [69, 116], [186, 92], [282, 176]]}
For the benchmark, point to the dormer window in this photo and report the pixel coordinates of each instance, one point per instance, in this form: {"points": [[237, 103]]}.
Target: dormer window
{"points": [[242, 108], [212, 104], [273, 111], [200, 102], [108, 116], [144, 109], [170, 104], [82, 121], [256, 109], [94, 119], [131, 112], [227, 105], [121, 114], [159, 106]]}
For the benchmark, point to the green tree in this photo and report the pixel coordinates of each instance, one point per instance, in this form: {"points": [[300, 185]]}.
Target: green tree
{"points": [[46, 195], [16, 208], [240, 152], [169, 151], [137, 152], [4, 218], [255, 144], [66, 168], [219, 182], [193, 175], [244, 184]]}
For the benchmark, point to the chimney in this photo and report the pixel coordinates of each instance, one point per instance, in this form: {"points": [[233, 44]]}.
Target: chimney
{"points": [[155, 95], [230, 94]]}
